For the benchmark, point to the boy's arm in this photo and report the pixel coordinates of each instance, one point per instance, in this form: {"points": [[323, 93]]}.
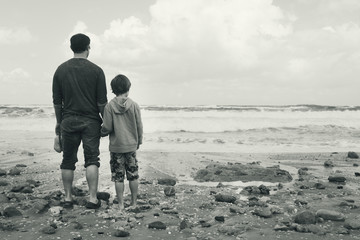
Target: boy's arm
{"points": [[139, 125], [107, 126]]}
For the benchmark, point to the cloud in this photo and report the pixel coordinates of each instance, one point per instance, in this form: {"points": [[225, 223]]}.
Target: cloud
{"points": [[15, 76], [10, 36], [233, 48]]}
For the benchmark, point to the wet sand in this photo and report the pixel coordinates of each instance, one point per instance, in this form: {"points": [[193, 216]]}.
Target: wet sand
{"points": [[194, 201]]}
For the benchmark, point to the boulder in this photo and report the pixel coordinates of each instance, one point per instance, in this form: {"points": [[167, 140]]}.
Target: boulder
{"points": [[157, 225], [11, 212], [305, 217], [353, 155], [352, 224], [167, 181], [225, 198], [330, 215]]}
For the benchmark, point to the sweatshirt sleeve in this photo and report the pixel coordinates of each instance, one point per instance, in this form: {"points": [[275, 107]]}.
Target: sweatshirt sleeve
{"points": [[107, 126], [139, 124]]}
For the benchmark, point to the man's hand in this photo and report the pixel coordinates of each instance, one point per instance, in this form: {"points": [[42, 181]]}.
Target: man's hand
{"points": [[57, 129]]}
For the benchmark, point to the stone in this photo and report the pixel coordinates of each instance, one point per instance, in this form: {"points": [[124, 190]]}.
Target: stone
{"points": [[305, 217], [56, 211], [167, 181], [264, 190], [357, 174], [352, 224], [169, 191], [7, 226], [328, 163], [40, 205], [77, 225], [319, 185], [11, 212], [237, 210], [3, 198], [2, 172], [33, 182], [3, 183], [184, 224], [78, 192], [330, 215], [27, 189], [20, 165], [121, 233], [103, 196], [157, 225], [48, 230], [352, 155], [225, 198], [337, 179], [263, 212], [14, 171], [220, 218]]}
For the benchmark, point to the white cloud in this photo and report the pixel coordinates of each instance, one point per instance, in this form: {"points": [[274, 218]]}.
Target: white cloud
{"points": [[17, 75], [10, 36]]}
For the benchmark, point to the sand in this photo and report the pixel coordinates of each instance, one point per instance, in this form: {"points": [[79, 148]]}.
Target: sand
{"points": [[194, 206]]}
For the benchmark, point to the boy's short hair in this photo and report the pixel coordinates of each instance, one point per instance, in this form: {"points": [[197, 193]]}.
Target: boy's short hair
{"points": [[79, 43], [120, 84]]}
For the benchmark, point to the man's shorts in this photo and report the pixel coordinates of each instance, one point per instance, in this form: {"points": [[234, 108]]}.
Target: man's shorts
{"points": [[121, 163], [77, 129]]}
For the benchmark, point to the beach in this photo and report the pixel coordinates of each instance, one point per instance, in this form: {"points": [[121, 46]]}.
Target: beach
{"points": [[292, 191]]}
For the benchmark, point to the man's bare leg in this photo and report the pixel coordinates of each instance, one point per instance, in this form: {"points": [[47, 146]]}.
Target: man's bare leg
{"points": [[119, 188], [134, 185], [92, 177], [67, 179]]}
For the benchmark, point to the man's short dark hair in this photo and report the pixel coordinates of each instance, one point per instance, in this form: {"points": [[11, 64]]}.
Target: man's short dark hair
{"points": [[79, 43], [120, 84]]}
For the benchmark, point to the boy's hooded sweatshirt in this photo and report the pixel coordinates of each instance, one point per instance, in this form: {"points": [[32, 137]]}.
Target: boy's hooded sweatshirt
{"points": [[122, 122]]}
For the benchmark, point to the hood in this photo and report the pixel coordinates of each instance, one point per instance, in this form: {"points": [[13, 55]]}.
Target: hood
{"points": [[121, 105]]}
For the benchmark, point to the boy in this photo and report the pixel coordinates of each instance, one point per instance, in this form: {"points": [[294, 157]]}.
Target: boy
{"points": [[122, 122]]}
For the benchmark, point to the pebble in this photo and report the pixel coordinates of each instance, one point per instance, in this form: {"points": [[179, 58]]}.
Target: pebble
{"points": [[157, 225]]}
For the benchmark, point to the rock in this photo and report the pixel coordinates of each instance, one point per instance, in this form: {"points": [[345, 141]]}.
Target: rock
{"points": [[2, 172], [77, 225], [355, 165], [167, 181], [3, 198], [103, 196], [48, 230], [220, 218], [319, 185], [305, 217], [33, 182], [264, 190], [357, 174], [20, 165], [225, 198], [17, 188], [157, 225], [281, 228], [40, 205], [169, 191], [184, 224], [11, 212], [78, 192], [263, 212], [337, 179], [232, 230], [205, 224], [330, 215], [7, 226], [56, 211], [3, 183], [27, 189], [352, 155], [14, 171], [121, 233], [352, 224], [237, 210], [328, 163]]}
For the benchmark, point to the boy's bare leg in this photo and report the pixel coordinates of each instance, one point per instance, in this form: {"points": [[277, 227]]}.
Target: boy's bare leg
{"points": [[119, 188], [92, 177], [134, 185], [67, 179]]}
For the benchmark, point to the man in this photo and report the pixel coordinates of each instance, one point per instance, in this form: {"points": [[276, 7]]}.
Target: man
{"points": [[79, 95]]}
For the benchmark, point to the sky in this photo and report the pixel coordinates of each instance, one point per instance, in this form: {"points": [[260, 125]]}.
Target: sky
{"points": [[189, 52]]}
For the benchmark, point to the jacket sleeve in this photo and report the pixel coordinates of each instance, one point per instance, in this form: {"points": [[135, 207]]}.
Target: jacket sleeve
{"points": [[139, 124], [107, 126]]}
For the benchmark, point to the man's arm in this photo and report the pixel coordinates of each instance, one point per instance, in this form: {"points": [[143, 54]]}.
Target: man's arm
{"points": [[58, 115]]}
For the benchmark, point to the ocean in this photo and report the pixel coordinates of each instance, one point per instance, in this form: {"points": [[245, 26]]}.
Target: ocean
{"points": [[292, 128]]}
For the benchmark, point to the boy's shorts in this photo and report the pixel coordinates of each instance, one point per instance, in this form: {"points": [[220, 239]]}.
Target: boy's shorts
{"points": [[121, 163]]}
